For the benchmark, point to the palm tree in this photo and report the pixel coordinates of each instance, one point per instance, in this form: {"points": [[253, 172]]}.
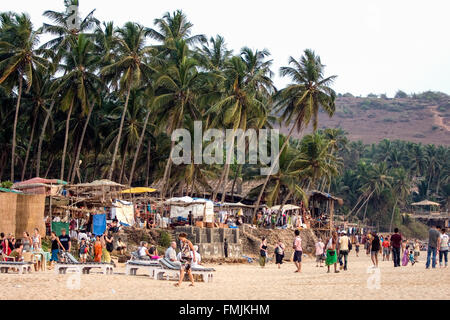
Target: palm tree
{"points": [[179, 84], [247, 82], [76, 86], [300, 102], [401, 188], [150, 95], [172, 28], [40, 98], [129, 70], [66, 33], [19, 59], [83, 63], [377, 181], [316, 160], [214, 55]]}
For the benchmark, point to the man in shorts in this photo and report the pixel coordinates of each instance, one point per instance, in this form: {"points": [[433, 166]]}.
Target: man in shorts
{"points": [[298, 251]]}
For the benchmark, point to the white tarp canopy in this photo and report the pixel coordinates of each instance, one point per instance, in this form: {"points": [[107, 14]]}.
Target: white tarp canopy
{"points": [[286, 207], [180, 207], [123, 211]]}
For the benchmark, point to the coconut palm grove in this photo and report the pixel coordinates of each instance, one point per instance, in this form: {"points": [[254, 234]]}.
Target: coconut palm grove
{"points": [[100, 101]]}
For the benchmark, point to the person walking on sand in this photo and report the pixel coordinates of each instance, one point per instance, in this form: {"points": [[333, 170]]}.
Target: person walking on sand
{"points": [[386, 249], [279, 253], [396, 243], [320, 246], [332, 253], [443, 248], [56, 244], [434, 237], [186, 259], [357, 244], [375, 249], [416, 250], [263, 252], [344, 250], [298, 251]]}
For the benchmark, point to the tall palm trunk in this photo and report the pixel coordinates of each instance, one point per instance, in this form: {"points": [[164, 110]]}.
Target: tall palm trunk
{"points": [[166, 176], [138, 148], [238, 172], [392, 217], [66, 139], [216, 189], [227, 166], [365, 202], [124, 161], [119, 136], [168, 168], [80, 145], [147, 179], [29, 148], [271, 171], [16, 117], [41, 139]]}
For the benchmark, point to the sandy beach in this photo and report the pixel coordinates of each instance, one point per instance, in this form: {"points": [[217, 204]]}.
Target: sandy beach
{"points": [[246, 282]]}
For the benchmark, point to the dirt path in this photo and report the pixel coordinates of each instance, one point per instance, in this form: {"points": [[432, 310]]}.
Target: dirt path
{"points": [[438, 120]]}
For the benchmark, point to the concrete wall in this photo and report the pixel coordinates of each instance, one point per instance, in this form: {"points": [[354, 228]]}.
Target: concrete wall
{"points": [[211, 241]]}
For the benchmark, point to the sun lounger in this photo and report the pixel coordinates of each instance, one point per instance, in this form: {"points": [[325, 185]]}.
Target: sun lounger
{"points": [[150, 266], [85, 268], [172, 269], [23, 267]]}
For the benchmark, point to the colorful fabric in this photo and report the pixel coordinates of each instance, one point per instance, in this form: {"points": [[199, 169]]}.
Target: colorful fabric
{"points": [[99, 224], [331, 257]]}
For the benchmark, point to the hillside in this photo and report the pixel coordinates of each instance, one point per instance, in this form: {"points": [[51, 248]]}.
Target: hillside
{"points": [[421, 118]]}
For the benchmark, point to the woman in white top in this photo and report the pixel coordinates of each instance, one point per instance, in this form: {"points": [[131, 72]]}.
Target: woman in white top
{"points": [[198, 257], [143, 251], [37, 241], [443, 248]]}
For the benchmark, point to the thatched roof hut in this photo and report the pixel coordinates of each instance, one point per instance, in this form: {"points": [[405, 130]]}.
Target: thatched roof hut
{"points": [[100, 192], [40, 186]]}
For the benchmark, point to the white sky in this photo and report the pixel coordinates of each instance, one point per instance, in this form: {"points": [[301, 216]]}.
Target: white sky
{"points": [[373, 46]]}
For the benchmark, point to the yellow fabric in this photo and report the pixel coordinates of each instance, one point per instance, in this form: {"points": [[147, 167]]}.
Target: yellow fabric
{"points": [[138, 190]]}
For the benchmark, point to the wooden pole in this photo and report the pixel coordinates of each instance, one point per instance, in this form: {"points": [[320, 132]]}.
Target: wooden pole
{"points": [[331, 215]]}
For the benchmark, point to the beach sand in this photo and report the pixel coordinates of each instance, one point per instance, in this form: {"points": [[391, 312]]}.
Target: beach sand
{"points": [[246, 282]]}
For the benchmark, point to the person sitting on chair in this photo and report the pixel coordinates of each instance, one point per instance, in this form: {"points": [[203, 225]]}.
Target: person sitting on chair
{"points": [[143, 252], [16, 254]]}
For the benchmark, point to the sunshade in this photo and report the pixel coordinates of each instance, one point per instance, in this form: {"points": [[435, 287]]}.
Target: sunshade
{"points": [[426, 203], [286, 207], [139, 190]]}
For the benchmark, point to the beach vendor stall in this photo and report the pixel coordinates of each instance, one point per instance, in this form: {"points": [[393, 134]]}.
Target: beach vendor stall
{"points": [[202, 210]]}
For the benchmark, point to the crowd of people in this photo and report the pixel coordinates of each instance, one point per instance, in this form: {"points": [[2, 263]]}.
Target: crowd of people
{"points": [[96, 248], [335, 249]]}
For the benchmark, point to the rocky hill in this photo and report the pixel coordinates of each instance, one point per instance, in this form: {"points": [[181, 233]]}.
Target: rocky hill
{"points": [[421, 118]]}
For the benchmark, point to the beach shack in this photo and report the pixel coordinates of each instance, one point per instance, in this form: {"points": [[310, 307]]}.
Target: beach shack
{"points": [[202, 210], [430, 214], [322, 207]]}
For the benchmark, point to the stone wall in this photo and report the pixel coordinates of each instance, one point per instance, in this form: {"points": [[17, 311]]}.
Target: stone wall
{"points": [[211, 241]]}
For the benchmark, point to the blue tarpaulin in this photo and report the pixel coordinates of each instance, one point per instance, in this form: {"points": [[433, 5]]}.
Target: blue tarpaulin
{"points": [[99, 224]]}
